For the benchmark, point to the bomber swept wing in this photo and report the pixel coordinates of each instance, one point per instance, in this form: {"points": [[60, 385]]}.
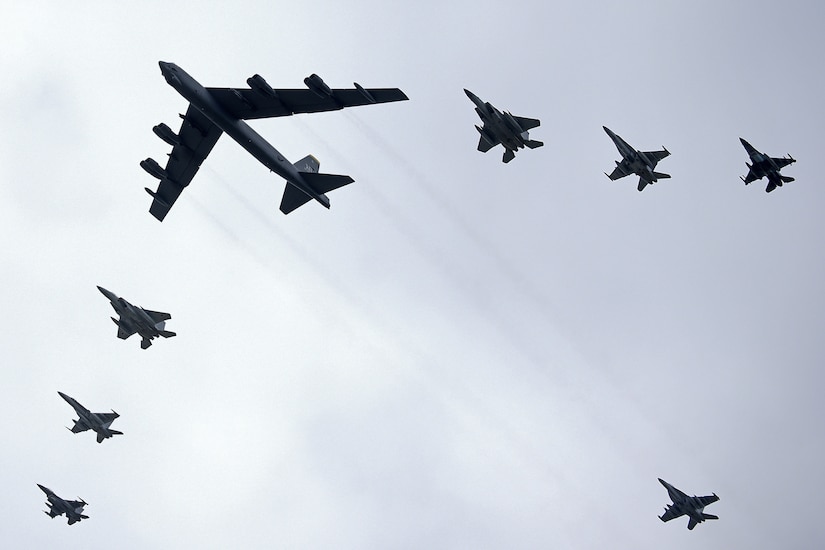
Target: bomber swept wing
{"points": [[261, 101], [191, 145]]}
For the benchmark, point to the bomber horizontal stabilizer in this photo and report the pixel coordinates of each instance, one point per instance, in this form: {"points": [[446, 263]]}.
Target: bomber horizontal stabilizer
{"points": [[293, 198], [324, 183]]}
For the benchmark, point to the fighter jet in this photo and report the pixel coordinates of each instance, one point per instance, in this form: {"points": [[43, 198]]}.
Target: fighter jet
{"points": [[685, 505], [149, 324], [763, 165], [99, 422], [508, 130], [57, 506], [213, 111], [636, 162]]}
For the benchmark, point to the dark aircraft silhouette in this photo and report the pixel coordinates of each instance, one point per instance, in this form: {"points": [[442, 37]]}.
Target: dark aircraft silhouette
{"points": [[57, 506], [636, 162], [763, 165], [99, 422], [213, 111], [508, 130], [149, 324], [684, 505]]}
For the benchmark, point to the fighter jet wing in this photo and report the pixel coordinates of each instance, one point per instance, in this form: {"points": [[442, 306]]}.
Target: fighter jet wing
{"points": [[196, 139], [708, 500], [249, 104], [620, 171], [79, 427], [484, 145], [107, 418], [123, 333], [671, 513], [783, 161], [157, 316], [750, 177], [656, 156], [527, 123]]}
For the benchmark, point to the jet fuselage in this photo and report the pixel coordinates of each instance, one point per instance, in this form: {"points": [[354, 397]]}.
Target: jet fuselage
{"points": [[691, 506], [58, 506], [133, 319], [637, 161], [91, 421], [765, 166], [500, 125], [236, 128]]}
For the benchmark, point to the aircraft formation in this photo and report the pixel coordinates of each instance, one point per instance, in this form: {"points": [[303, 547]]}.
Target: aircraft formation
{"points": [[213, 112]]}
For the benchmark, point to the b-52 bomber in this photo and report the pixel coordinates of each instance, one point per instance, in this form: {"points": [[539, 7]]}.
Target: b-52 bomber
{"points": [[57, 506], [149, 324], [213, 111], [684, 505], [636, 162], [763, 165], [503, 128], [99, 422]]}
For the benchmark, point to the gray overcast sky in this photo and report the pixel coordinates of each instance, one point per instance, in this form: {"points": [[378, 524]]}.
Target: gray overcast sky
{"points": [[460, 353]]}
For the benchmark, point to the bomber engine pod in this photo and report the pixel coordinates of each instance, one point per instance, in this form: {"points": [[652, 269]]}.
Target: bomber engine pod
{"points": [[257, 83], [153, 168], [317, 86], [165, 133], [368, 96]]}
